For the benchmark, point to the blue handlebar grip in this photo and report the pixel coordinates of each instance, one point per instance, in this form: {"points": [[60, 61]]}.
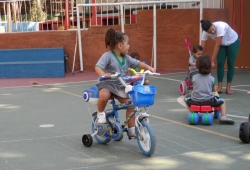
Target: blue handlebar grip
{"points": [[103, 78]]}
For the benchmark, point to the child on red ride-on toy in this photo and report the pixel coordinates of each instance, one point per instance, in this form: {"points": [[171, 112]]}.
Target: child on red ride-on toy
{"points": [[203, 85], [187, 85]]}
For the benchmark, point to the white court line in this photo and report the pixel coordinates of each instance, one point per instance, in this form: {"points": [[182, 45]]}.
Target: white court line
{"points": [[240, 86], [47, 84], [240, 90], [167, 79]]}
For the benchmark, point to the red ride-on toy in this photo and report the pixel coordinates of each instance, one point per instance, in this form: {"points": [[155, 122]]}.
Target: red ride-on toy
{"points": [[206, 114], [186, 85]]}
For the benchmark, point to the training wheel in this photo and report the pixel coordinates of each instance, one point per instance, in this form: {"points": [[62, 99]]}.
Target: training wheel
{"points": [[87, 140], [207, 119]]}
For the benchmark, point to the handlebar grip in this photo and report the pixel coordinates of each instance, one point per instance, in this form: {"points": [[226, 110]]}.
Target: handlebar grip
{"points": [[103, 78], [133, 71]]}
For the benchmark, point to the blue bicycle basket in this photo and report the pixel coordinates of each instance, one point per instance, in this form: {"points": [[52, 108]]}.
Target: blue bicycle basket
{"points": [[143, 96]]}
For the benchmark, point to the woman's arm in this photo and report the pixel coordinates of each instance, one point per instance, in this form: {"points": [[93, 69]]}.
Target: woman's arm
{"points": [[216, 49], [203, 43]]}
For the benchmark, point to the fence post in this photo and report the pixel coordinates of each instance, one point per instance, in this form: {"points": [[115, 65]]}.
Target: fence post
{"points": [[9, 16]]}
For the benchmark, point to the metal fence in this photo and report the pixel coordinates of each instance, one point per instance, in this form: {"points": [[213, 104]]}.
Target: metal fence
{"points": [[97, 19], [46, 15]]}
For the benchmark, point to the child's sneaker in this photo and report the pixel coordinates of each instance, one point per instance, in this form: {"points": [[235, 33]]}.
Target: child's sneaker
{"points": [[131, 132], [101, 117], [226, 120]]}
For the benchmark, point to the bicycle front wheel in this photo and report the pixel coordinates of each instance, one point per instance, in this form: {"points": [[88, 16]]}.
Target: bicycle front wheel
{"points": [[147, 141]]}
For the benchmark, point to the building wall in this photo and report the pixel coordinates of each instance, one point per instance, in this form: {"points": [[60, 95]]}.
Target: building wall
{"points": [[173, 26], [242, 24]]}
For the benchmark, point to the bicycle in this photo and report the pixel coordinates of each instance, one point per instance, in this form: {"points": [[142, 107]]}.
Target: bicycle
{"points": [[142, 97]]}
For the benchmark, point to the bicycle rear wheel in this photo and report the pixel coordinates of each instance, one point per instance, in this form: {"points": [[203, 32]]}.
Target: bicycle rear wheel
{"points": [[100, 139]]}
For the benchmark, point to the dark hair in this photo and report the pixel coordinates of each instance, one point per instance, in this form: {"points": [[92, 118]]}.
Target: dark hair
{"points": [[197, 48], [113, 37], [205, 24], [135, 54], [203, 64]]}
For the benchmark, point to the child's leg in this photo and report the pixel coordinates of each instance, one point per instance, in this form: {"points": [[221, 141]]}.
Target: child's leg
{"points": [[104, 96], [223, 109], [146, 82], [224, 119], [131, 122], [186, 97]]}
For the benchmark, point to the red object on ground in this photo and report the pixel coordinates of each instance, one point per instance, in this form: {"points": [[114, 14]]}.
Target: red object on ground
{"points": [[202, 109]]}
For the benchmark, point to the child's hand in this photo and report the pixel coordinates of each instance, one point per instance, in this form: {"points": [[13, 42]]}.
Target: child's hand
{"points": [[152, 69], [216, 94], [193, 64], [106, 75]]}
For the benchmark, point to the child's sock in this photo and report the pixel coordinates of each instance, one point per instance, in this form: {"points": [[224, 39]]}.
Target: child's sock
{"points": [[101, 117], [131, 132]]}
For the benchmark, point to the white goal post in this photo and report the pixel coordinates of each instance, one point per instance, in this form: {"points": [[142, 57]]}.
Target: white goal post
{"points": [[121, 6]]}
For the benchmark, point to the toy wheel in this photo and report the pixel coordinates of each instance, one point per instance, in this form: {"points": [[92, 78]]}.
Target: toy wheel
{"points": [[119, 139], [147, 141], [87, 140], [193, 118], [207, 119], [216, 114], [117, 133], [244, 132], [100, 139], [183, 88]]}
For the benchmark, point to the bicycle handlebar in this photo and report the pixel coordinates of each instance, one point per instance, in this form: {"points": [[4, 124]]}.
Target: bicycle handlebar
{"points": [[138, 77], [143, 72]]}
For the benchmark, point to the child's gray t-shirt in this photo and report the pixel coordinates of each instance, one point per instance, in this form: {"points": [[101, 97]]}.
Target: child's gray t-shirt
{"points": [[110, 63], [192, 69], [202, 87]]}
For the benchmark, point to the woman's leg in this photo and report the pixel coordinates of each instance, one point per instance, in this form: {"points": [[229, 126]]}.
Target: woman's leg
{"points": [[232, 51], [221, 59]]}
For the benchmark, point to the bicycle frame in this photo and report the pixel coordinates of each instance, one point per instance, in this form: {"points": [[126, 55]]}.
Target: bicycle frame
{"points": [[114, 112]]}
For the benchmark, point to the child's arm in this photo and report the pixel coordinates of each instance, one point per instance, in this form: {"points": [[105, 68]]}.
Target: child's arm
{"points": [[191, 61], [146, 67], [100, 72], [192, 64]]}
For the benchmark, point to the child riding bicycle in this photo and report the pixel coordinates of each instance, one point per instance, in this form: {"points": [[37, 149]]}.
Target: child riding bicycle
{"points": [[116, 60]]}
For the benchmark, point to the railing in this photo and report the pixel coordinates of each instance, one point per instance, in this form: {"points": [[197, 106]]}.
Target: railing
{"points": [[45, 15], [120, 10]]}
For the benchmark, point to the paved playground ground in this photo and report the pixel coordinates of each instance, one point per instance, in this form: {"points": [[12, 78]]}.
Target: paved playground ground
{"points": [[42, 123]]}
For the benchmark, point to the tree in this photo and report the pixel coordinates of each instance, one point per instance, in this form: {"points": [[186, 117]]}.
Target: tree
{"points": [[37, 13]]}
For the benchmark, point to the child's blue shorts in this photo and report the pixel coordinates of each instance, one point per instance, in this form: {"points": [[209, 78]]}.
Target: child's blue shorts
{"points": [[214, 102]]}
